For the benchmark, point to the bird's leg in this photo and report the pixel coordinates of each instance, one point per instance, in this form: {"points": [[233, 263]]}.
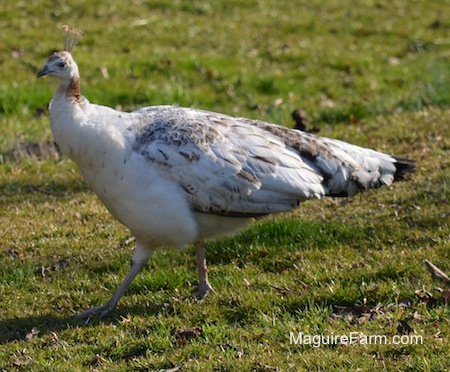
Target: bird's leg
{"points": [[138, 262], [203, 287]]}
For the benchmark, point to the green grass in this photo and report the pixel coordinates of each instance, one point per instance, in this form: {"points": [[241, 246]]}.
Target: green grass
{"points": [[371, 73]]}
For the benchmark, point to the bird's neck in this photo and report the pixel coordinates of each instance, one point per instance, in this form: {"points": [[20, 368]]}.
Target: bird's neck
{"points": [[70, 89]]}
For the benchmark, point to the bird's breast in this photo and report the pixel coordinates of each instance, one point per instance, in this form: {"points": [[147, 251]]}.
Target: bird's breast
{"points": [[153, 208]]}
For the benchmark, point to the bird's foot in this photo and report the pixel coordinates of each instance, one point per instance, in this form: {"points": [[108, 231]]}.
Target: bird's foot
{"points": [[99, 311], [203, 290]]}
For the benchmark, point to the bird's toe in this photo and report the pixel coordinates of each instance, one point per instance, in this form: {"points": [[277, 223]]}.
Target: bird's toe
{"points": [[203, 290], [99, 311]]}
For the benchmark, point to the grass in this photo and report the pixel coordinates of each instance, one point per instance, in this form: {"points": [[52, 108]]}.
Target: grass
{"points": [[371, 73]]}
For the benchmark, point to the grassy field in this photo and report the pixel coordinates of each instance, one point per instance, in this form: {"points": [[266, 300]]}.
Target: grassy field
{"points": [[374, 73]]}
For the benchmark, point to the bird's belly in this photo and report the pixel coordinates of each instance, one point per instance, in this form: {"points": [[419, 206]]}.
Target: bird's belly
{"points": [[154, 209], [211, 226]]}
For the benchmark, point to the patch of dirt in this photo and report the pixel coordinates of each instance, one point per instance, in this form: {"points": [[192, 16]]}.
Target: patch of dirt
{"points": [[32, 151]]}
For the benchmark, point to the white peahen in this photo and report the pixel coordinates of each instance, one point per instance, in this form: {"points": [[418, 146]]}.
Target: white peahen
{"points": [[179, 176]]}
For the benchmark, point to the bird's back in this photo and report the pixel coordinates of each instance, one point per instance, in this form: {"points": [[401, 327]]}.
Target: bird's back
{"points": [[235, 166]]}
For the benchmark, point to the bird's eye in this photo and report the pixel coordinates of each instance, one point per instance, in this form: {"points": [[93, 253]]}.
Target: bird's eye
{"points": [[62, 64]]}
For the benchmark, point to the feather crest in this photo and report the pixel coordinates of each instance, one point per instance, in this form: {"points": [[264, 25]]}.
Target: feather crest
{"points": [[71, 37]]}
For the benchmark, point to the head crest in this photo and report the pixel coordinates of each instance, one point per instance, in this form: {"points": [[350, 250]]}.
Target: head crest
{"points": [[71, 37]]}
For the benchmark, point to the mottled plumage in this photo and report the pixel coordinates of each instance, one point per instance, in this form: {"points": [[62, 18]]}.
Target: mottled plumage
{"points": [[178, 176], [236, 166]]}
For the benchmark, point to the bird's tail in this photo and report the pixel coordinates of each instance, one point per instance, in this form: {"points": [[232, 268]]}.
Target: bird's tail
{"points": [[404, 167], [350, 169]]}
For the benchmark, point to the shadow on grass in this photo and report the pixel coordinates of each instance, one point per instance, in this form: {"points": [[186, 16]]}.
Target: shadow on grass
{"points": [[22, 329], [17, 329], [275, 238], [51, 188]]}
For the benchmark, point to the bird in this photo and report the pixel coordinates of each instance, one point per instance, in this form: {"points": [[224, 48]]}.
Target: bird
{"points": [[301, 121], [179, 176]]}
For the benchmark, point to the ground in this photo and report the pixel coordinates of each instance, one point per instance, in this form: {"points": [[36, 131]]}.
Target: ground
{"points": [[374, 73]]}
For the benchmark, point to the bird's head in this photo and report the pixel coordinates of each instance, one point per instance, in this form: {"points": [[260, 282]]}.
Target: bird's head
{"points": [[60, 65]]}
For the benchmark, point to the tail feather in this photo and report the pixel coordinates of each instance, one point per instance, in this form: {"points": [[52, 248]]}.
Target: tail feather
{"points": [[356, 169], [404, 167]]}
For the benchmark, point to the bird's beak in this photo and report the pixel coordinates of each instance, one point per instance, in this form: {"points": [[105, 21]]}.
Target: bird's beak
{"points": [[43, 72]]}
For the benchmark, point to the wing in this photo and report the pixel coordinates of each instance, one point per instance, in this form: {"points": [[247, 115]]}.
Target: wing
{"points": [[236, 166], [224, 164]]}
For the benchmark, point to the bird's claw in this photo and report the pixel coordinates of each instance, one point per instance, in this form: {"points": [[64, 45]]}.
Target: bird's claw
{"points": [[99, 311], [203, 290]]}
